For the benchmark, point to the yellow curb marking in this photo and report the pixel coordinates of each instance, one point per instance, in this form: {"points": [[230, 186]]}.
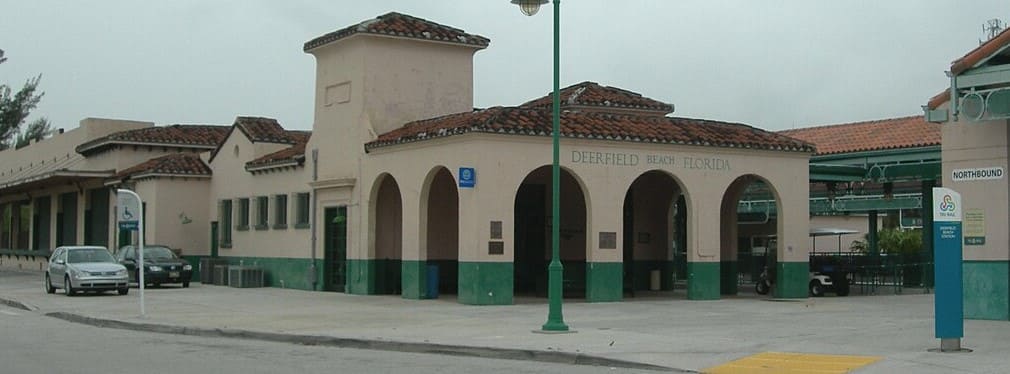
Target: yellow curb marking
{"points": [[790, 363]]}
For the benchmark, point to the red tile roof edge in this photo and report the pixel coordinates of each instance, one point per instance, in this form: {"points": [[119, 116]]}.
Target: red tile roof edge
{"points": [[925, 142], [445, 33], [483, 121], [968, 61], [212, 135], [176, 164]]}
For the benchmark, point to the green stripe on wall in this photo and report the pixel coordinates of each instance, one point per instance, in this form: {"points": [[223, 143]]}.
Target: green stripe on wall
{"points": [[604, 281], [485, 283], [792, 279], [703, 281], [986, 290], [414, 279], [361, 277]]}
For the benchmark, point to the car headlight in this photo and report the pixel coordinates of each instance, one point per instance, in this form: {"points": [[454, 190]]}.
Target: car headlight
{"points": [[187, 267], [154, 268], [75, 273], [121, 273]]}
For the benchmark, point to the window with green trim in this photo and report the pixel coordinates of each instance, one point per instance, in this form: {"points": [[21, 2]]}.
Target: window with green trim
{"points": [[281, 211], [262, 212], [302, 210], [243, 214], [224, 216]]}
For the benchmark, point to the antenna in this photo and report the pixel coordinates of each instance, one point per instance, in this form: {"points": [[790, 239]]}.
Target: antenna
{"points": [[990, 29]]}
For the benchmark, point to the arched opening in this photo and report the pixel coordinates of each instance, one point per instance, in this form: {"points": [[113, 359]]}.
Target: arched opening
{"points": [[440, 230], [388, 236], [655, 233], [748, 233], [533, 234]]}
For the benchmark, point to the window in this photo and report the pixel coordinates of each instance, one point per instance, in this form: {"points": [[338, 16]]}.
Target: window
{"points": [[243, 214], [262, 212], [302, 213], [224, 216], [281, 212]]}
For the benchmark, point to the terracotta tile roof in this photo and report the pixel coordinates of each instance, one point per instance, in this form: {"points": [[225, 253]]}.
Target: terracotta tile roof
{"points": [[593, 95], [894, 133], [593, 125], [404, 26], [969, 60], [195, 136], [176, 164], [291, 155], [261, 129]]}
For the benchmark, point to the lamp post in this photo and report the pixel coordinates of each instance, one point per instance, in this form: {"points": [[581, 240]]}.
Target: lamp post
{"points": [[555, 320]]}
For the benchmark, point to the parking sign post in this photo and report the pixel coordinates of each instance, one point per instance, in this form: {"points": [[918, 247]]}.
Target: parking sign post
{"points": [[130, 214]]}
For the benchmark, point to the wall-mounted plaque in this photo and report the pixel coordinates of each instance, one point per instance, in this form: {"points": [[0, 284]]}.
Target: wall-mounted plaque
{"points": [[495, 248], [608, 240], [496, 230]]}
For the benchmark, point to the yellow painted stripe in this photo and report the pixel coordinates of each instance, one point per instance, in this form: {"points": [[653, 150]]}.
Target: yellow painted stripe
{"points": [[793, 363]]}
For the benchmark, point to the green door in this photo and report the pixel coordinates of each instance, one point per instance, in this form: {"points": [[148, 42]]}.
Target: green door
{"points": [[335, 249]]}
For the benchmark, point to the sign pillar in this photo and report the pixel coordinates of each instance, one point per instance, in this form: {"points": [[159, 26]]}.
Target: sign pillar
{"points": [[947, 257], [130, 215]]}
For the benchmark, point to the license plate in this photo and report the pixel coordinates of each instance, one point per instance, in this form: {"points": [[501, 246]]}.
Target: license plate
{"points": [[174, 274]]}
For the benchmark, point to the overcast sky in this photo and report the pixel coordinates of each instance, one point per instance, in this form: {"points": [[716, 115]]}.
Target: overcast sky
{"points": [[772, 64]]}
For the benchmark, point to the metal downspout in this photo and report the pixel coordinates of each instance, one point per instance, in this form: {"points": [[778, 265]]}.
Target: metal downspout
{"points": [[312, 224]]}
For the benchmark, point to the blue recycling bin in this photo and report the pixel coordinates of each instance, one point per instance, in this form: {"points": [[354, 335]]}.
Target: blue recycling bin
{"points": [[432, 281]]}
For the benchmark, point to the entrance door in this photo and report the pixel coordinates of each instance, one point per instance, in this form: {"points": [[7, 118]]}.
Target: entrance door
{"points": [[335, 249]]}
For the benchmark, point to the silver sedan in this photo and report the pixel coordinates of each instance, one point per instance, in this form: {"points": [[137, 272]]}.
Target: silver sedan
{"points": [[84, 268]]}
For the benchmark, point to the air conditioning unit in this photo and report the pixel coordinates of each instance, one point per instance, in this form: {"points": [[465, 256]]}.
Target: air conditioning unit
{"points": [[245, 277], [221, 275], [207, 268]]}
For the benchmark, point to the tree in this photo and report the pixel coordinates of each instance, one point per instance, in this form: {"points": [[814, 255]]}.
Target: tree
{"points": [[14, 109]]}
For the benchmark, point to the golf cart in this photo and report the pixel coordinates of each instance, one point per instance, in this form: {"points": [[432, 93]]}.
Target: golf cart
{"points": [[827, 273]]}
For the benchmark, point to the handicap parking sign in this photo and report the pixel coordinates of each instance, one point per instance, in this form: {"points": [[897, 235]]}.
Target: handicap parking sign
{"points": [[467, 178]]}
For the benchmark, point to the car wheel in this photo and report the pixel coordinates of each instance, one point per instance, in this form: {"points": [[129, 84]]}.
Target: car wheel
{"points": [[124, 291], [67, 288], [48, 285], [816, 289], [185, 284], [761, 287]]}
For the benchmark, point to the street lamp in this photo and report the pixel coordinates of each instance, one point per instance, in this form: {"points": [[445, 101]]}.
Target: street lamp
{"points": [[555, 321]]}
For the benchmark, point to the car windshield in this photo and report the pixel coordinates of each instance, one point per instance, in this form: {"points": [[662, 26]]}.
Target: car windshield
{"points": [[82, 255], [158, 253]]}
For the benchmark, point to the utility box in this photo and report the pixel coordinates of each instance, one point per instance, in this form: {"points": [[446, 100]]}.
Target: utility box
{"points": [[221, 275], [245, 277], [207, 269]]}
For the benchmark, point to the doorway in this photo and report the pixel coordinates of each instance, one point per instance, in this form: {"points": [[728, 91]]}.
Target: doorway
{"points": [[335, 249]]}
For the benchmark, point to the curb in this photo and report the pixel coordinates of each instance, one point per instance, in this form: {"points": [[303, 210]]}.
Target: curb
{"points": [[16, 304], [381, 345]]}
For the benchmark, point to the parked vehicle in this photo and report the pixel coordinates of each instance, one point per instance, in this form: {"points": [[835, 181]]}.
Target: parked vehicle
{"points": [[84, 268], [161, 264]]}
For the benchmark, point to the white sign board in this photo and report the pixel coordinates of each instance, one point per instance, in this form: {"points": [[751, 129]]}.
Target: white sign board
{"points": [[946, 205], [977, 174], [127, 211]]}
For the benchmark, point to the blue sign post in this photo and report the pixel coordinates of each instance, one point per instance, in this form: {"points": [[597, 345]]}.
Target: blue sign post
{"points": [[948, 304], [467, 177]]}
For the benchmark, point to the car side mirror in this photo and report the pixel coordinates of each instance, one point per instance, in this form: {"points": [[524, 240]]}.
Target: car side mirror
{"points": [[60, 262]]}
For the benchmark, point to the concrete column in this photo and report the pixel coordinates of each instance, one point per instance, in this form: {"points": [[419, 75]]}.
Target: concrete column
{"points": [[703, 248], [54, 203], [82, 204], [605, 266]]}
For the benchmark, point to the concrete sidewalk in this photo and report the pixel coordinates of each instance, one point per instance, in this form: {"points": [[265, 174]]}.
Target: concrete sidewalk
{"points": [[664, 330]]}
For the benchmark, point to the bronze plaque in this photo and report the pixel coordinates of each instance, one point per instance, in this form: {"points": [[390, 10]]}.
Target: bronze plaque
{"points": [[608, 240], [496, 230], [495, 248]]}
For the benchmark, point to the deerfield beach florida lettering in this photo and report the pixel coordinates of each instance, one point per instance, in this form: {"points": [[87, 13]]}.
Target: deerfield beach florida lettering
{"points": [[631, 159]]}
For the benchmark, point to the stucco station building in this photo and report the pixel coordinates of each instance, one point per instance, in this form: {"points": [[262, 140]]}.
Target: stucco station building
{"points": [[401, 172]]}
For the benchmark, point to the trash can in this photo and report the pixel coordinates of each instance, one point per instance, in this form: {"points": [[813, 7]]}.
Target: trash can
{"points": [[654, 280], [432, 291]]}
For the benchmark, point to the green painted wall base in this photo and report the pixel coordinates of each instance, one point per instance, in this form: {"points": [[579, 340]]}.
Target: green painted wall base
{"points": [[986, 290], [604, 281], [728, 277], [280, 272], [703, 281], [485, 283], [360, 277], [792, 280], [414, 279]]}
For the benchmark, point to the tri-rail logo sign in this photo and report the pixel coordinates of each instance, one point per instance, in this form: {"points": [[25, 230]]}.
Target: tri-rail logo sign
{"points": [[946, 205]]}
